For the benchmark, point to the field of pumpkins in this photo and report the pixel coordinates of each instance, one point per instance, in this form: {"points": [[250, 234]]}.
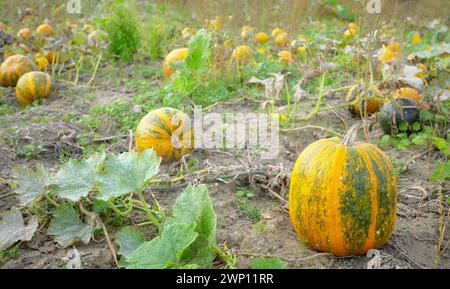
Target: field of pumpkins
{"points": [[106, 163]]}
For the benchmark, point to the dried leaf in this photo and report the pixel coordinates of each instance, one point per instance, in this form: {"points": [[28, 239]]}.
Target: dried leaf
{"points": [[13, 229]]}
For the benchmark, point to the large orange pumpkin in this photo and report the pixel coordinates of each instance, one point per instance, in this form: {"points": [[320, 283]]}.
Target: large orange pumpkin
{"points": [[167, 131], [173, 57], [14, 67], [343, 196], [35, 85]]}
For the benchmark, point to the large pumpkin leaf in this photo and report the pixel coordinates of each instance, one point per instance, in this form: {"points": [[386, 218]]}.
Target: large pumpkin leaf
{"points": [[129, 239], [77, 178], [31, 183], [67, 227], [199, 50], [194, 207], [163, 251], [13, 229], [126, 173]]}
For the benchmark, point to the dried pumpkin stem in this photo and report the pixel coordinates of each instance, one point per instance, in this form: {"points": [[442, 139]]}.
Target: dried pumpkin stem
{"points": [[350, 137]]}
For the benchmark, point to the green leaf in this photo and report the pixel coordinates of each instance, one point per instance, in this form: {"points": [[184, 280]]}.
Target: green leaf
{"points": [[199, 50], [442, 172], [126, 173], [419, 140], [164, 250], [67, 227], [268, 263], [403, 143], [77, 178], [426, 115], [31, 183], [129, 239], [194, 207], [416, 126], [442, 145]]}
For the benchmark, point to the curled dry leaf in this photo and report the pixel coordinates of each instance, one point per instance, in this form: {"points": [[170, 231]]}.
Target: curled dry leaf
{"points": [[13, 229]]}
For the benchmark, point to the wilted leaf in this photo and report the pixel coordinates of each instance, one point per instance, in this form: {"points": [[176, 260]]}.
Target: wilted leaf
{"points": [[268, 263], [77, 178], [163, 251], [409, 77], [67, 227], [13, 229], [126, 173], [31, 183], [129, 239]]}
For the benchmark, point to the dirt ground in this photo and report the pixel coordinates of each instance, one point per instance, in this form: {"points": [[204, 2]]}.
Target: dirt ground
{"points": [[412, 244]]}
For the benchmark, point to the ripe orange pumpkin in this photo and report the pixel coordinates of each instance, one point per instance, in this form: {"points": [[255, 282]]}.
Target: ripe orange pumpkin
{"points": [[167, 131], [282, 39], [2, 26], [35, 85], [241, 53], [368, 106], [24, 33], [173, 57], [262, 37], [14, 67], [286, 56], [45, 29], [343, 196]]}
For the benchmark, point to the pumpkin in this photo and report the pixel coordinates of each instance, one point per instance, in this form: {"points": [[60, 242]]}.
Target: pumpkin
{"points": [[216, 24], [45, 29], [14, 67], [35, 85], [173, 57], [301, 50], [407, 92], [398, 111], [343, 196], [167, 131], [369, 106], [286, 56], [2, 26], [277, 31], [241, 53], [282, 40], [51, 56], [262, 38], [24, 33], [246, 31], [187, 33]]}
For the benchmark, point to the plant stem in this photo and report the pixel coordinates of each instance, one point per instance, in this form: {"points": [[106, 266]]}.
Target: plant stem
{"points": [[226, 258], [9, 183], [51, 201], [147, 210]]}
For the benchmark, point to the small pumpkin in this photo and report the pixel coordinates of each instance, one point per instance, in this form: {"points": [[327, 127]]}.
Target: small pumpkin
{"points": [[282, 40], [173, 57], [400, 111], [2, 26], [343, 196], [167, 131], [262, 37], [369, 106], [286, 56], [246, 31], [241, 54], [35, 85], [14, 67], [277, 31], [24, 33], [51, 56], [45, 29]]}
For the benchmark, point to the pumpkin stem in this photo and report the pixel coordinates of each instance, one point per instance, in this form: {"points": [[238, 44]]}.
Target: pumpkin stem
{"points": [[350, 137]]}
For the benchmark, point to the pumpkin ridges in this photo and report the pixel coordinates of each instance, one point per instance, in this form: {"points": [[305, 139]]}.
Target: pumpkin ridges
{"points": [[371, 238]]}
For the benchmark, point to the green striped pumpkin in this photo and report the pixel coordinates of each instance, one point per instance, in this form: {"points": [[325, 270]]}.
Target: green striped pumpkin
{"points": [[35, 85], [14, 67], [343, 196], [167, 131]]}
